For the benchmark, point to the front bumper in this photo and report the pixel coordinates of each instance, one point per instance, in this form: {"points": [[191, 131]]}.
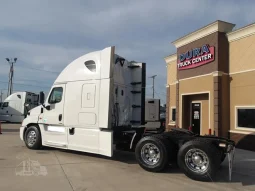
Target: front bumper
{"points": [[21, 132]]}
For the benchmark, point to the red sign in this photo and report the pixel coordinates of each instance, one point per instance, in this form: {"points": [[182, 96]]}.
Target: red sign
{"points": [[196, 57]]}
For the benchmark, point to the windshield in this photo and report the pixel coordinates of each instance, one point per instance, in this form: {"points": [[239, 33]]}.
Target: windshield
{"points": [[5, 104]]}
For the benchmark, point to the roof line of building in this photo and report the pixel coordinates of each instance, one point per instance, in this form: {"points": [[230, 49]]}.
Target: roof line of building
{"points": [[241, 32], [218, 25]]}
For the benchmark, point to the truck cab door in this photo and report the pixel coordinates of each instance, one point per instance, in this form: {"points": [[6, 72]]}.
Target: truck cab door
{"points": [[53, 117]]}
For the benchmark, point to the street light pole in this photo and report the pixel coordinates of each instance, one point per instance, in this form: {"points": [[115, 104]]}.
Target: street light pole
{"points": [[153, 78], [10, 84], [1, 96]]}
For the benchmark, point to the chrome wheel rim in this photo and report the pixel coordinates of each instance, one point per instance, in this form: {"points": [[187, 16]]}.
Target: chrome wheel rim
{"points": [[31, 138], [197, 161], [150, 154]]}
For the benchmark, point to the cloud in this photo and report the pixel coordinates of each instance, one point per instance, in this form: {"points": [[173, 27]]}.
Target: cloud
{"points": [[50, 34]]}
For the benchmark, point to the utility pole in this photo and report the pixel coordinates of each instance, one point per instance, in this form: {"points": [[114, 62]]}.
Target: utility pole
{"points": [[153, 78], [10, 84], [1, 96]]}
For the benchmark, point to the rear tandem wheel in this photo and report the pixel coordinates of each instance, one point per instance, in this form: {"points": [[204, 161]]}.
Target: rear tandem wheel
{"points": [[199, 159], [152, 153]]}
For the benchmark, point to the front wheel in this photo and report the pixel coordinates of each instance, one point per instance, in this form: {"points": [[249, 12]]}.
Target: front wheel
{"points": [[33, 138], [152, 153], [199, 160]]}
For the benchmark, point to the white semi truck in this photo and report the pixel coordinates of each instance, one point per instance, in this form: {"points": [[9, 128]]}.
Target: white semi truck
{"points": [[15, 107], [97, 104]]}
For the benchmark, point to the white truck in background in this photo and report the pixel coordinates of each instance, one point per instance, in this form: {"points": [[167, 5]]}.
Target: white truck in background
{"points": [[15, 107], [97, 105]]}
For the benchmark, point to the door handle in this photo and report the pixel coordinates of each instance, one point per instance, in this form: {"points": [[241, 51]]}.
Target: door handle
{"points": [[71, 131], [60, 117]]}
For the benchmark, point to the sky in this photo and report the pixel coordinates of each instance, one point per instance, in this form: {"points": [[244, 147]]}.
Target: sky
{"points": [[47, 35]]}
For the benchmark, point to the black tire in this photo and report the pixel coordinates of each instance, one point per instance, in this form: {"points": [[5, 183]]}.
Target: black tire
{"points": [[163, 160], [209, 150], [223, 156], [37, 141], [172, 148]]}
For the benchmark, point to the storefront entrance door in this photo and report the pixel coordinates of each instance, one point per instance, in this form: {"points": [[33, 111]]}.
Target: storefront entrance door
{"points": [[195, 117]]}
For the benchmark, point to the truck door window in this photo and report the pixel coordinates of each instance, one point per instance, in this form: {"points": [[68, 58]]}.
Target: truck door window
{"points": [[5, 104], [56, 95]]}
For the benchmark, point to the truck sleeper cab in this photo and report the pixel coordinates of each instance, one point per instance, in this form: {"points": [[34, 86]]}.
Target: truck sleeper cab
{"points": [[90, 96], [97, 102], [15, 107]]}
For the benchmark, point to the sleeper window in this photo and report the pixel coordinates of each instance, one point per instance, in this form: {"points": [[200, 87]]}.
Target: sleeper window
{"points": [[91, 65], [56, 95]]}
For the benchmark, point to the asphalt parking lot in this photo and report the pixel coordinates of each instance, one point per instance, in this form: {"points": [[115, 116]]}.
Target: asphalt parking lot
{"points": [[54, 169]]}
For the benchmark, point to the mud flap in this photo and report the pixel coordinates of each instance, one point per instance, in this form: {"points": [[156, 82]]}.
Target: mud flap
{"points": [[231, 155]]}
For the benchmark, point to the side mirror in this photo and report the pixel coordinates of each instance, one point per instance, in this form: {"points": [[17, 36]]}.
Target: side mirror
{"points": [[47, 107], [26, 104], [41, 97]]}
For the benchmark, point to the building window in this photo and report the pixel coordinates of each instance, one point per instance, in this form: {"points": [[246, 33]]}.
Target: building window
{"points": [[56, 95], [172, 114], [245, 117]]}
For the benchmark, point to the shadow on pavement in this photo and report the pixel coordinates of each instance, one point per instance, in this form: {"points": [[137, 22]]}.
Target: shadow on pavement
{"points": [[9, 130], [121, 156], [9, 123], [243, 171]]}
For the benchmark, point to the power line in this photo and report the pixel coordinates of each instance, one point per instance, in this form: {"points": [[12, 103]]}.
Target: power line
{"points": [[39, 69], [19, 90], [160, 97], [32, 80], [27, 85]]}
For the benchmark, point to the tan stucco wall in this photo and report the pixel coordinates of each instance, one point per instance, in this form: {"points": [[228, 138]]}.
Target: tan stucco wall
{"points": [[242, 93], [194, 86], [172, 100], [205, 117], [241, 54], [171, 72]]}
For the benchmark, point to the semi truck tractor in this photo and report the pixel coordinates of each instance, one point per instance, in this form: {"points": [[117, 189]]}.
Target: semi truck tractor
{"points": [[97, 105], [15, 107]]}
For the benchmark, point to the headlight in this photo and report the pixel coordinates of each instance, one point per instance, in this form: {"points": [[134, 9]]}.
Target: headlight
{"points": [[222, 145]]}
